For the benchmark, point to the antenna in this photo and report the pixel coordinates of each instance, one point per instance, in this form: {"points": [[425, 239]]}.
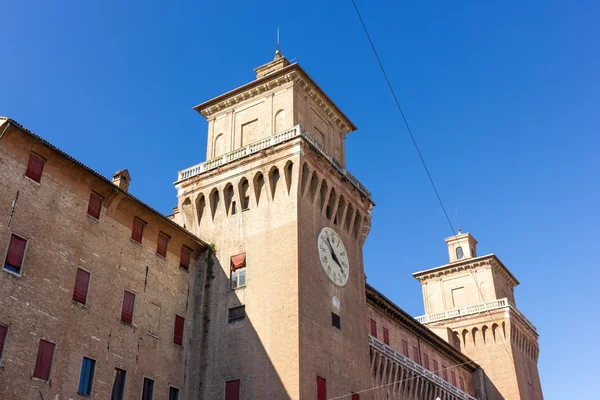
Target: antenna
{"points": [[277, 42]]}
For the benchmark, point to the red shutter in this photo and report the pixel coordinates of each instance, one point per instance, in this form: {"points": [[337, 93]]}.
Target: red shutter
{"points": [[386, 336], [178, 333], [425, 360], [44, 360], [81, 286], [137, 230], [232, 390], [238, 261], [321, 388], [355, 396], [405, 348], [161, 245], [453, 375], [16, 251], [127, 311], [2, 338], [445, 372], [415, 354], [35, 167], [185, 257], [462, 384], [95, 205], [373, 328], [435, 368]]}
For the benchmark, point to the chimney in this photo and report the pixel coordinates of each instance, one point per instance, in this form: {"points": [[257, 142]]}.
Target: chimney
{"points": [[122, 179]]}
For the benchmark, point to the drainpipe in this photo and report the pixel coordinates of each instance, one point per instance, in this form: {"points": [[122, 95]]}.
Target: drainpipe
{"points": [[5, 129]]}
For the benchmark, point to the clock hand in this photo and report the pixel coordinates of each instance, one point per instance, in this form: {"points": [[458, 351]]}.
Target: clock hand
{"points": [[334, 256]]}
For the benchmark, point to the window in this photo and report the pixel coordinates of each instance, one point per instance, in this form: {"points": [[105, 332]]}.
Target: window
{"points": [[445, 373], [415, 354], [232, 390], [386, 336], [86, 378], [373, 328], [461, 383], [405, 348], [355, 396], [127, 310], [173, 393], [3, 330], [435, 368], [15, 254], [137, 230], [335, 320], [238, 271], [184, 260], [81, 286], [453, 377], [95, 205], [425, 360], [43, 361], [459, 253], [162, 243], [35, 167], [148, 390], [178, 331], [321, 388], [118, 390], [237, 313]]}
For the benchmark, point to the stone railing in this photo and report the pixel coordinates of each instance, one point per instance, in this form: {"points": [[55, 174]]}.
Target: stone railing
{"points": [[473, 309], [252, 148], [418, 369]]}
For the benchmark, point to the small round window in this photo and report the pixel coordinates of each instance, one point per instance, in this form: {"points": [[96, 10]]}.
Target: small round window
{"points": [[459, 253]]}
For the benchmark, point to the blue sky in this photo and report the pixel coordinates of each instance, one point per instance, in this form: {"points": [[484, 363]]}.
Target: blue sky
{"points": [[502, 97]]}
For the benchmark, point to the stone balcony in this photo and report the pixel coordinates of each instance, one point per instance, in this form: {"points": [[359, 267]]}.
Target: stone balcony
{"points": [[271, 141], [395, 376]]}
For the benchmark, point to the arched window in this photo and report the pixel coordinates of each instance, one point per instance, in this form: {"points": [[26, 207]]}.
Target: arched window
{"points": [[259, 183], [244, 195], [459, 253], [273, 180], [214, 202], [219, 147], [279, 121], [228, 198], [200, 204], [188, 214], [288, 169]]}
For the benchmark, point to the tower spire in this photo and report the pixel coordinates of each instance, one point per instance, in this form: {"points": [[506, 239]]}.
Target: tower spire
{"points": [[277, 50]]}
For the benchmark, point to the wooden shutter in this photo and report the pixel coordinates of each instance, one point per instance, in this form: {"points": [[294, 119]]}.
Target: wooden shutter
{"points": [[178, 332], [453, 375], [161, 244], [415, 354], [81, 286], [95, 205], [127, 311], [232, 390], [321, 388], [44, 360], [462, 383], [3, 330], [386, 336], [184, 260], [445, 373], [435, 368], [405, 348], [355, 396], [238, 261], [16, 251], [35, 167], [137, 230], [425, 360], [373, 328]]}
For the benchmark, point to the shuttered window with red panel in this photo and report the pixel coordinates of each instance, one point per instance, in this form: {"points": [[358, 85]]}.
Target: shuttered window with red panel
{"points": [[405, 348], [184, 260], [386, 336], [82, 282], [238, 271], [43, 362], [425, 360], [3, 331], [436, 369], [355, 396], [137, 231], [127, 310], [178, 331], [453, 376], [95, 205], [415, 354], [445, 373], [15, 254], [462, 383], [373, 328], [321, 388], [232, 390], [162, 244], [35, 167]]}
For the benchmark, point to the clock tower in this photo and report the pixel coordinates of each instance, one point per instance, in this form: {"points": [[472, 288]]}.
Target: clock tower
{"points": [[282, 309]]}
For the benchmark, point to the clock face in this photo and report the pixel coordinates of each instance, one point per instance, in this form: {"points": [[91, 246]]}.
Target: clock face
{"points": [[333, 256]]}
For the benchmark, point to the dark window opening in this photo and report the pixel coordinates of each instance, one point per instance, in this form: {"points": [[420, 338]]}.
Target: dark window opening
{"points": [[237, 313], [232, 390], [386, 336], [178, 331], [148, 391], [81, 286], [86, 378], [3, 331], [35, 167], [321, 388], [127, 310], [335, 320], [184, 260], [173, 393], [15, 254], [118, 390]]}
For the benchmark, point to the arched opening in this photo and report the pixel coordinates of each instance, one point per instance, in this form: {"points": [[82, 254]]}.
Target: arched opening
{"points": [[340, 211], [214, 202], [243, 187], [304, 178], [188, 214], [200, 205], [465, 337], [219, 146], [495, 332], [349, 215], [288, 175], [330, 203], [228, 194], [259, 183], [484, 332], [475, 337], [357, 223], [279, 121], [504, 329], [322, 195], [314, 183], [459, 253], [456, 340], [273, 180]]}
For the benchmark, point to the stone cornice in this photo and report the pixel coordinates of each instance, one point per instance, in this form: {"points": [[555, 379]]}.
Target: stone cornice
{"points": [[291, 73], [387, 307], [468, 265]]}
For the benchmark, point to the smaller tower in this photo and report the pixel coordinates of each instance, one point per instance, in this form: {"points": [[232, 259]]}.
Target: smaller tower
{"points": [[470, 303]]}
